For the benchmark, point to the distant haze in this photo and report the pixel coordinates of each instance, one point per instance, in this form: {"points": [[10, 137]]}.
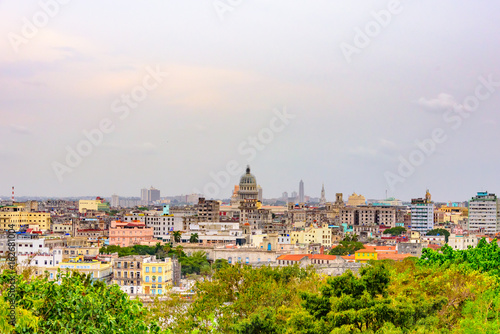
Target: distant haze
{"points": [[207, 80]]}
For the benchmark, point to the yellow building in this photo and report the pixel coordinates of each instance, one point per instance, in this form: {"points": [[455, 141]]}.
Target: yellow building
{"points": [[76, 251], [297, 237], [92, 205], [16, 216], [373, 252], [97, 269], [366, 254], [157, 276], [356, 200], [319, 235]]}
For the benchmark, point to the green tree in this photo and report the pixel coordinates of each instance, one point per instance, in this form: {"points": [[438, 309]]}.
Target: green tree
{"points": [[398, 230], [194, 238], [364, 304], [349, 245], [77, 304], [177, 236]]}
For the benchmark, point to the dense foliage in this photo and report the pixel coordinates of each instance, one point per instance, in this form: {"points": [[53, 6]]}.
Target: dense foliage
{"points": [[447, 291], [75, 304], [348, 245], [440, 293], [485, 257], [398, 230], [196, 264], [160, 251]]}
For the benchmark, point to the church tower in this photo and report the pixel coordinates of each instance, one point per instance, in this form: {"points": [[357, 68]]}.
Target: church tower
{"points": [[322, 200]]}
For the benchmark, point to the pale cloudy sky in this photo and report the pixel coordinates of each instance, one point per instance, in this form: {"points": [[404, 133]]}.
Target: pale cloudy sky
{"points": [[358, 104]]}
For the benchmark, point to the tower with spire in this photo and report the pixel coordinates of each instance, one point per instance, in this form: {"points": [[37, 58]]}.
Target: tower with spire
{"points": [[322, 200]]}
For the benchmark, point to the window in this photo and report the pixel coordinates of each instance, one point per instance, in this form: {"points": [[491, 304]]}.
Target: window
{"points": [[147, 269], [51, 275], [153, 269], [159, 279], [147, 278], [160, 291], [159, 269]]}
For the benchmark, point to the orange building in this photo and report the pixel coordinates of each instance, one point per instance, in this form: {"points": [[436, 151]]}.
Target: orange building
{"points": [[126, 234]]}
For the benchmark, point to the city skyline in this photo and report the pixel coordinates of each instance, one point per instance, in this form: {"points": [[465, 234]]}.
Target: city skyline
{"points": [[393, 108]]}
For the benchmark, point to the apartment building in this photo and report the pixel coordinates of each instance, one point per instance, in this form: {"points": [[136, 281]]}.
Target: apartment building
{"points": [[127, 273], [208, 210], [96, 269], [20, 215], [98, 204], [484, 213], [462, 242], [126, 234], [422, 214], [158, 275]]}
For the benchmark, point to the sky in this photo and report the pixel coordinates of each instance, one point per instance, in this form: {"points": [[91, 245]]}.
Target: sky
{"points": [[372, 97]]}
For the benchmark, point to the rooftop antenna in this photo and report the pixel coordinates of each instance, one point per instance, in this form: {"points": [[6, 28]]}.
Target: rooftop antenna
{"points": [[12, 194]]}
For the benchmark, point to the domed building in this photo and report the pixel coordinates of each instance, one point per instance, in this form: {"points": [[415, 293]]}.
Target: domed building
{"points": [[248, 187]]}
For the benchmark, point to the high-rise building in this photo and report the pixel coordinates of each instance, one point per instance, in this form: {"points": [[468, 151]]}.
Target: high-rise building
{"points": [[284, 197], [150, 195], [208, 210], [259, 189], [301, 191], [115, 201], [153, 194], [422, 214], [144, 195], [295, 196], [484, 213]]}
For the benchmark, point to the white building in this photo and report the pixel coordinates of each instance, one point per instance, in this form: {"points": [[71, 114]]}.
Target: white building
{"points": [[484, 213], [462, 242], [422, 214], [115, 201]]}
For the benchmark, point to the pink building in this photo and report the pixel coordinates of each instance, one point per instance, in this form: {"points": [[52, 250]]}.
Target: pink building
{"points": [[126, 234]]}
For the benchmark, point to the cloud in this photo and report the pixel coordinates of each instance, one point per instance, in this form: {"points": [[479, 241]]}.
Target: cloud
{"points": [[381, 148], [19, 129], [440, 103], [146, 148]]}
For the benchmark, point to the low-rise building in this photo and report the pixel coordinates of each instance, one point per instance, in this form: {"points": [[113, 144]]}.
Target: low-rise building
{"points": [[96, 269], [158, 276], [20, 215], [126, 234], [462, 242]]}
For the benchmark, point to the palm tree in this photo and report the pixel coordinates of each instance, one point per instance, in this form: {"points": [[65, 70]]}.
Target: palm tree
{"points": [[177, 236], [178, 250], [194, 238]]}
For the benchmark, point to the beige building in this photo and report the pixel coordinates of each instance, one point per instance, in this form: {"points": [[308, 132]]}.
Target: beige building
{"points": [[69, 252], [92, 205], [17, 216], [462, 242], [356, 200], [96, 269]]}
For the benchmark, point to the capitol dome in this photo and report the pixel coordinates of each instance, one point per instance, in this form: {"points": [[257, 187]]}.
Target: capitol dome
{"points": [[247, 179], [248, 186]]}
